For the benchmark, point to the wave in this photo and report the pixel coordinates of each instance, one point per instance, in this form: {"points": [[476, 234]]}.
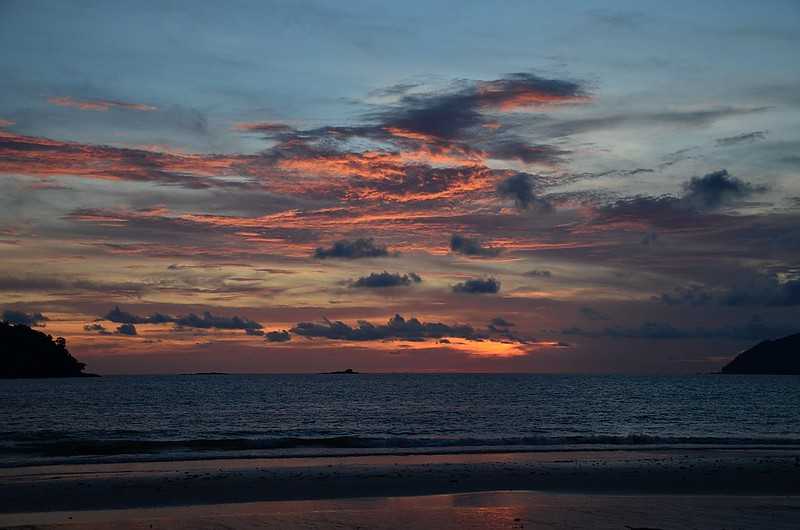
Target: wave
{"points": [[41, 446]]}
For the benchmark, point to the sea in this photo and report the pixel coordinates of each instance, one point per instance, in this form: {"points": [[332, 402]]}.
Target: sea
{"points": [[148, 418]]}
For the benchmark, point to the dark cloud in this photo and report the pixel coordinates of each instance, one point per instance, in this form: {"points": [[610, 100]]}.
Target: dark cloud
{"points": [[278, 336], [478, 286], [207, 320], [593, 314], [500, 325], [359, 248], [755, 329], [746, 289], [448, 114], [745, 138], [700, 194], [397, 328], [617, 20], [96, 328], [265, 128], [120, 316], [715, 189], [649, 239], [471, 247], [45, 283], [519, 187], [515, 149], [394, 90], [694, 295], [387, 279], [204, 321], [126, 329], [539, 273], [27, 319], [254, 332]]}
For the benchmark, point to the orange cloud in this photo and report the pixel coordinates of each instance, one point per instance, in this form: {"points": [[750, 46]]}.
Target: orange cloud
{"points": [[262, 127], [101, 105]]}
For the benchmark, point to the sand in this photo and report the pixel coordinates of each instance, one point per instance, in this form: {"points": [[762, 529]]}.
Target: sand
{"points": [[658, 488]]}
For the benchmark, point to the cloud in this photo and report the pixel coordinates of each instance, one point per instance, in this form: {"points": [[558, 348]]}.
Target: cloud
{"points": [[478, 286], [708, 193], [694, 295], [538, 273], [96, 328], [266, 128], [38, 156], [471, 247], [191, 320], [207, 320], [120, 316], [676, 118], [398, 89], [27, 319], [716, 189], [649, 239], [519, 187], [48, 283], [278, 336], [126, 329], [386, 279], [593, 314], [746, 289], [346, 249], [745, 138], [397, 328], [98, 104], [448, 114], [500, 325], [755, 329]]}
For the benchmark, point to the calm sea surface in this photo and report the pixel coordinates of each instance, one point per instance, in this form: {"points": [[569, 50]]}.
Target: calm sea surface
{"points": [[143, 417]]}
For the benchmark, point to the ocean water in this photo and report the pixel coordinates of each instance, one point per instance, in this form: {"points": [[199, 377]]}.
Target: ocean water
{"points": [[122, 418]]}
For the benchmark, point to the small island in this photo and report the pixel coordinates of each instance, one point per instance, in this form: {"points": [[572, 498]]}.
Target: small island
{"points": [[349, 371], [27, 353], [773, 357]]}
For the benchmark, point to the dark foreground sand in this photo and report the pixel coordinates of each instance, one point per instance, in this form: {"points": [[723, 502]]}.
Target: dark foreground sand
{"points": [[463, 511], [703, 488]]}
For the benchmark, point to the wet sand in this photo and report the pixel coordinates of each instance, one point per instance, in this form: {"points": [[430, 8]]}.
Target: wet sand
{"points": [[713, 488], [464, 511]]}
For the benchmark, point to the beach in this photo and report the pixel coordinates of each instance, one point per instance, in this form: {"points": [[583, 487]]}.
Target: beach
{"points": [[640, 488]]}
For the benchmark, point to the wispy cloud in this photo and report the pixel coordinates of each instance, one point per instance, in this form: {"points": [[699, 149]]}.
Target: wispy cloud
{"points": [[101, 105]]}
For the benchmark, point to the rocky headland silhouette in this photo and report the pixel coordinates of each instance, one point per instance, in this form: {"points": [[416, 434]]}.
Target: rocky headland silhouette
{"points": [[777, 357], [26, 352]]}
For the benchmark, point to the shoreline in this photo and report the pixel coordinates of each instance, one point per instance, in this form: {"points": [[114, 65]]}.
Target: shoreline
{"points": [[328, 452], [135, 485]]}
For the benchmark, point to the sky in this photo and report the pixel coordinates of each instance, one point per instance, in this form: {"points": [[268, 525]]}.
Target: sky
{"points": [[401, 187]]}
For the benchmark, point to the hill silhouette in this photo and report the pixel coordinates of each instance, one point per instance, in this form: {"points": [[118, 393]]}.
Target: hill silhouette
{"points": [[780, 356], [25, 352]]}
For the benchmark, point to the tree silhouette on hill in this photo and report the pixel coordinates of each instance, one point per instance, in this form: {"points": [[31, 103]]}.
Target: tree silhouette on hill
{"points": [[25, 352]]}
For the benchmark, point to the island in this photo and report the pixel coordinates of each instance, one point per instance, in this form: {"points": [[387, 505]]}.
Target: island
{"points": [[27, 353], [349, 371], [774, 357]]}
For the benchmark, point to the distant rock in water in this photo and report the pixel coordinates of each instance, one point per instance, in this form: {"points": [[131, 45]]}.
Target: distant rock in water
{"points": [[349, 371], [25, 352], [780, 356]]}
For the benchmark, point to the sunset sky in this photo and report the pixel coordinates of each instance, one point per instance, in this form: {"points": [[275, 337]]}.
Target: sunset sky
{"points": [[262, 186]]}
